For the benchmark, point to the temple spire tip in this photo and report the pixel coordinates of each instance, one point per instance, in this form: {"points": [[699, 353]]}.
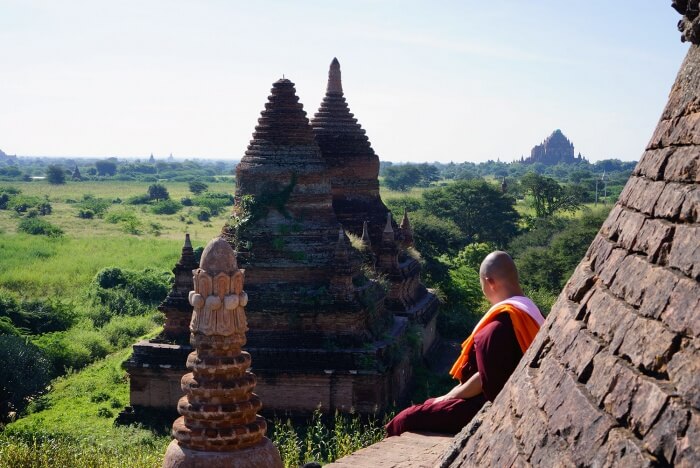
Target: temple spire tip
{"points": [[335, 84]]}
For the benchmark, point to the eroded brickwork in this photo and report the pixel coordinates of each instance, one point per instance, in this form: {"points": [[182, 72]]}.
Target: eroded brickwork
{"points": [[613, 377]]}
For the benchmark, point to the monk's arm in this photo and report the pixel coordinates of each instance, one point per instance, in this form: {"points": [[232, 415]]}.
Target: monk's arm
{"points": [[468, 389]]}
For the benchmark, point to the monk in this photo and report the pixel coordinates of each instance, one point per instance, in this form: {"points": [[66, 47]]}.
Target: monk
{"points": [[489, 355]]}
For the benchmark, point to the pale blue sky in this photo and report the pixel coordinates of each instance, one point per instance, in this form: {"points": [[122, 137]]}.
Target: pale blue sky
{"points": [[429, 80]]}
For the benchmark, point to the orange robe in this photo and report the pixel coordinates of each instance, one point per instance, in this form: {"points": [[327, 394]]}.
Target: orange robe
{"points": [[524, 325]]}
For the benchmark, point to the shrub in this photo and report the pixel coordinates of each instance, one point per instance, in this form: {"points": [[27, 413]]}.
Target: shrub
{"points": [[197, 187], [186, 201], [166, 207], [44, 208], [114, 217], [110, 303], [25, 372], [37, 226], [36, 315], [97, 205], [204, 214], [86, 214], [7, 327], [139, 200], [73, 349], [148, 285], [22, 203], [120, 332], [214, 201]]}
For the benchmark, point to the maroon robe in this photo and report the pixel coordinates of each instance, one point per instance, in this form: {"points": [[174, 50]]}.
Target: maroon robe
{"points": [[495, 356]]}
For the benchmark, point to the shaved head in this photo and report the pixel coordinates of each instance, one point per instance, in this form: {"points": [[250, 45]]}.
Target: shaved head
{"points": [[498, 266]]}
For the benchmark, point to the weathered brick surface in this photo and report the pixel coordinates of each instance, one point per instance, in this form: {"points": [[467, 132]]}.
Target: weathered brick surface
{"points": [[613, 377], [663, 437], [681, 313], [685, 251]]}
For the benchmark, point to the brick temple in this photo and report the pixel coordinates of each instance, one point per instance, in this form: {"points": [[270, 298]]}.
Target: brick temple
{"points": [[318, 326], [555, 149], [322, 331]]}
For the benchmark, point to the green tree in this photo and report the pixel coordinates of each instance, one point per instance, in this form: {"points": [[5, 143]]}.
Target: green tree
{"points": [[25, 372], [55, 175], [479, 209], [158, 192], [197, 187], [548, 196], [106, 167], [402, 177]]}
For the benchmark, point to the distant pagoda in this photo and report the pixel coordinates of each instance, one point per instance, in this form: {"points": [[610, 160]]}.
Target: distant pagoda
{"points": [[555, 149], [318, 326]]}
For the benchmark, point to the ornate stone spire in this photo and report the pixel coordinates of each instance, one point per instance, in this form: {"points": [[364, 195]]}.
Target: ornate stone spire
{"points": [[388, 232], [176, 307], [388, 258], [366, 241], [219, 425], [341, 284], [406, 230]]}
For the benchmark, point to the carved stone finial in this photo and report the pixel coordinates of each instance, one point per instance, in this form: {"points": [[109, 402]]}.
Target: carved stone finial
{"points": [[406, 230], [388, 233], [188, 243], [335, 85], [387, 226], [219, 425], [689, 25], [366, 240]]}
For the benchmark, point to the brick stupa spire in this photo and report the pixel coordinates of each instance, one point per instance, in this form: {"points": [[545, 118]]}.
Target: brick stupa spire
{"points": [[176, 307], [353, 165]]}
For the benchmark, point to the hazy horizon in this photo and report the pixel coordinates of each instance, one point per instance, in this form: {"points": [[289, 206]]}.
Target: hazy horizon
{"points": [[448, 81]]}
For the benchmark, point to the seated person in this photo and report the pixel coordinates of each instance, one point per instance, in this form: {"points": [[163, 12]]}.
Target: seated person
{"points": [[489, 355]]}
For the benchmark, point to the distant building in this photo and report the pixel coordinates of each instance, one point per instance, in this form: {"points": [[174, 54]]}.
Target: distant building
{"points": [[555, 149]]}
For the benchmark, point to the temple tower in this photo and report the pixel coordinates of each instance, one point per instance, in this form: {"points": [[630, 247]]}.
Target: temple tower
{"points": [[353, 168], [319, 328], [219, 425], [613, 377]]}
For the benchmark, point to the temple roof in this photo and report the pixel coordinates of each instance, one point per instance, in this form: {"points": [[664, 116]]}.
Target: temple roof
{"points": [[283, 122]]}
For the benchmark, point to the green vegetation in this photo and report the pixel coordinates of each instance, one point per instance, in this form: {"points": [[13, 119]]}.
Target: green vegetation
{"points": [[55, 175], [85, 263]]}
